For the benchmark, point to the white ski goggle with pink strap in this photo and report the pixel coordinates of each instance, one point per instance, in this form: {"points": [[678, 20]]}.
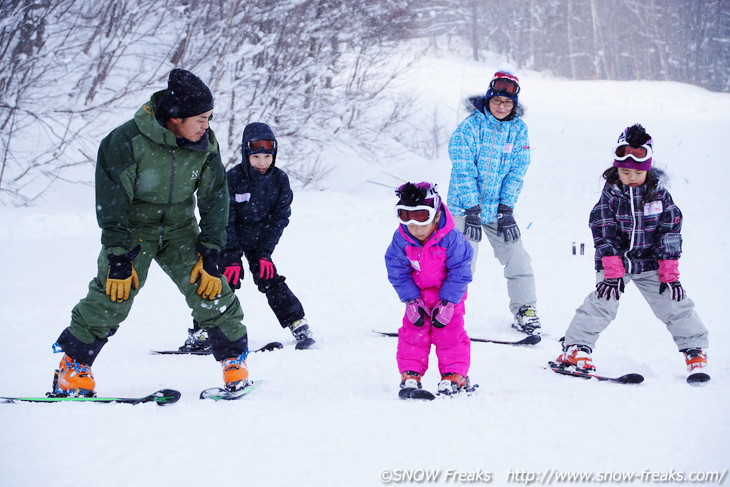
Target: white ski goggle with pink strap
{"points": [[418, 215]]}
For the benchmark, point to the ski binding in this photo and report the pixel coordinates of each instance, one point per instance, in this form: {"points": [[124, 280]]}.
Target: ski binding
{"points": [[221, 394]]}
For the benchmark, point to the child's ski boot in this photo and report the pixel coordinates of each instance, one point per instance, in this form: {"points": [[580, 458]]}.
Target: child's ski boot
{"points": [[411, 388], [576, 357], [454, 384], [696, 360], [302, 334]]}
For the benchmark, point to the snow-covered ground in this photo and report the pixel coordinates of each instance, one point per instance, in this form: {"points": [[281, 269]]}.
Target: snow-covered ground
{"points": [[331, 416]]}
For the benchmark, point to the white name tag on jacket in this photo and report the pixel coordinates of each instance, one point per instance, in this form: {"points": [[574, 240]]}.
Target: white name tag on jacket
{"points": [[240, 198], [653, 208]]}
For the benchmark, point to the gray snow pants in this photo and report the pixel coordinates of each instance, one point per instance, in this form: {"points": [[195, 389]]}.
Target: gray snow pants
{"points": [[516, 262], [680, 318]]}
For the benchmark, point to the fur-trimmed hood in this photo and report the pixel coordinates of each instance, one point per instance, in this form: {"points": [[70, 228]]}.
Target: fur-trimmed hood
{"points": [[478, 103]]}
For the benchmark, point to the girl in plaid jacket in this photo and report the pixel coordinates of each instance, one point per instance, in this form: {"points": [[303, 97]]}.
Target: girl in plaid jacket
{"points": [[637, 235]]}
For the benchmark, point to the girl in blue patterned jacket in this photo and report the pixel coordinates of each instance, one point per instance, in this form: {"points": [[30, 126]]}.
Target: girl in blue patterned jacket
{"points": [[637, 234], [490, 154]]}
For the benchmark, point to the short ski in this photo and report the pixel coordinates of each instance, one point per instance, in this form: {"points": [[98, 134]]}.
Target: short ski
{"points": [[221, 394], [162, 397], [624, 379], [415, 393], [528, 340], [266, 348], [698, 379]]}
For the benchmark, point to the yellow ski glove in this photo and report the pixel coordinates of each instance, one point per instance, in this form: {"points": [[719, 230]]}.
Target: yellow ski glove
{"points": [[206, 270], [122, 277]]}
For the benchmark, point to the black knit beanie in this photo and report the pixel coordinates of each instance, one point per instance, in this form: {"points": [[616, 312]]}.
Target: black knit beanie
{"points": [[186, 96]]}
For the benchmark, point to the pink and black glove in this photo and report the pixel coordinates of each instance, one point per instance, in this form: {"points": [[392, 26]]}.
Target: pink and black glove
{"points": [[232, 273], [442, 314], [266, 268], [416, 311], [669, 278]]}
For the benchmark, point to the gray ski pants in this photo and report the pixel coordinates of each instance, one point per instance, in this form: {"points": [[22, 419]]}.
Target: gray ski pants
{"points": [[680, 318], [516, 262]]}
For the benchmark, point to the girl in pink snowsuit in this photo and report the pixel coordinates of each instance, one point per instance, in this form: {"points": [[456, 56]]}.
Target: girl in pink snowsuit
{"points": [[429, 265]]}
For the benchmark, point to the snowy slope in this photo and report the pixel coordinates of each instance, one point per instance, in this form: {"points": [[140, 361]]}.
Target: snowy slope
{"points": [[330, 416]]}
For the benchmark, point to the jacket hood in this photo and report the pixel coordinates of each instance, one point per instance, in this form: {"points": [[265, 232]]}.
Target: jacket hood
{"points": [[478, 103], [257, 131]]}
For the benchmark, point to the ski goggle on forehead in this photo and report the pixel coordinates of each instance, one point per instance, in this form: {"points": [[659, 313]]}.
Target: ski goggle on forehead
{"points": [[624, 151], [418, 215], [261, 145], [504, 84]]}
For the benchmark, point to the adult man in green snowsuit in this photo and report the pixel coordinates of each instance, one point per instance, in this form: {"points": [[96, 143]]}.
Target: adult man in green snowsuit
{"points": [[148, 174]]}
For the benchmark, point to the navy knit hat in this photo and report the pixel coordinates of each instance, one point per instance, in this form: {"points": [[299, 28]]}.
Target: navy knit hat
{"points": [[186, 96], [504, 83]]}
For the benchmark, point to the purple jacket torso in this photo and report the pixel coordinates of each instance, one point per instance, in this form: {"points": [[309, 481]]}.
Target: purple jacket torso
{"points": [[640, 233], [438, 269]]}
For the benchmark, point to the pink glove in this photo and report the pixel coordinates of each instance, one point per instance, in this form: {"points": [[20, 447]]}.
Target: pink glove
{"points": [[442, 314], [416, 311], [613, 267], [266, 268], [668, 270], [232, 273]]}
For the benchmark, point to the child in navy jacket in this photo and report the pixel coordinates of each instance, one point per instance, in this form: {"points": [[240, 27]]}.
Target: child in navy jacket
{"points": [[260, 207]]}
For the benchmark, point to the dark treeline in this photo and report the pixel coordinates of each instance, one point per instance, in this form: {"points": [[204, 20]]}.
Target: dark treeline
{"points": [[661, 40], [313, 68]]}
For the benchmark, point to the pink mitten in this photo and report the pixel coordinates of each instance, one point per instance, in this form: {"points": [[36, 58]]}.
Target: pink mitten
{"points": [[442, 314], [416, 311]]}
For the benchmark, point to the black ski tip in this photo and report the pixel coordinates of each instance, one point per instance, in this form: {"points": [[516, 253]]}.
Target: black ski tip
{"points": [[530, 340], [698, 379], [386, 333], [631, 379], [269, 347], [414, 393], [165, 397]]}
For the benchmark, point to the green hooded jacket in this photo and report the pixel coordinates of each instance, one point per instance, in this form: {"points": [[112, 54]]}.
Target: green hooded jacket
{"points": [[146, 185]]}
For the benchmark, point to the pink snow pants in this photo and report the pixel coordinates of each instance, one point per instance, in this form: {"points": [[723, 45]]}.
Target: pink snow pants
{"points": [[453, 348]]}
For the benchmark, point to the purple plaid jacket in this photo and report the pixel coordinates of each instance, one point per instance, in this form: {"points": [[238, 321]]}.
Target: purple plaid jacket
{"points": [[640, 233]]}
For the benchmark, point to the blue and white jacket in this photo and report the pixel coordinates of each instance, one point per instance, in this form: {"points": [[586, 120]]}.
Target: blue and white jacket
{"points": [[489, 160]]}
